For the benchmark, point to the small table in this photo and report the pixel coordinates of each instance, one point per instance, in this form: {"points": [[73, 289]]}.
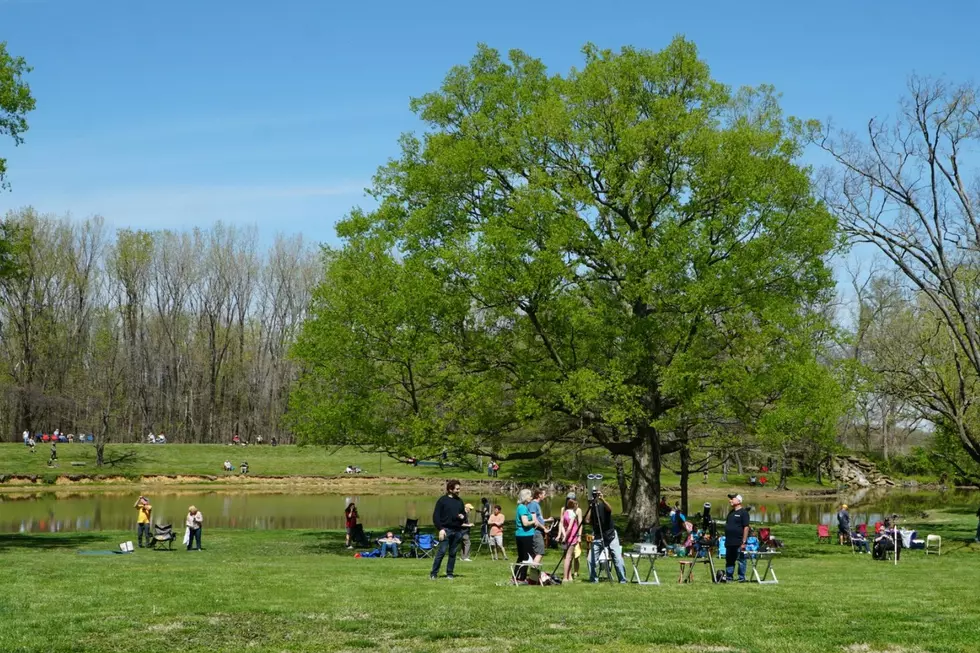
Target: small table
{"points": [[754, 558], [687, 571], [635, 559]]}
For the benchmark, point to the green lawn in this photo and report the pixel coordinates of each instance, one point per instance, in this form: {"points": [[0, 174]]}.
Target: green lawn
{"points": [[275, 591], [265, 460], [288, 460]]}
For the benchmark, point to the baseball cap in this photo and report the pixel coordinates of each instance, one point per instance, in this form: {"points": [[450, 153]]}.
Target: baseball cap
{"points": [[570, 495], [737, 497]]}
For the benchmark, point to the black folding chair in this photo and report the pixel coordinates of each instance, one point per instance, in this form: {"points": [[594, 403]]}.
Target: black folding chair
{"points": [[161, 535]]}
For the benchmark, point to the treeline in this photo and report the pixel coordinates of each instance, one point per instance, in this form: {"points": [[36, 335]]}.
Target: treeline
{"points": [[126, 333]]}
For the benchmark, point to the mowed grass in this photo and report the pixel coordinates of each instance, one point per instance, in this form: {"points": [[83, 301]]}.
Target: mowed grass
{"points": [[275, 591], [207, 459], [291, 460]]}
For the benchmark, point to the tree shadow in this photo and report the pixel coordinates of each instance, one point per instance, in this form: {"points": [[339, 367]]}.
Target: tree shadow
{"points": [[10, 541]]}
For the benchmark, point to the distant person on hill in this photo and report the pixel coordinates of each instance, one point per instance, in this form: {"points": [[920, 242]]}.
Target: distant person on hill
{"points": [[27, 436], [32, 443], [350, 521], [244, 467], [144, 510], [228, 466], [496, 468], [448, 517], [275, 442], [54, 453], [194, 523]]}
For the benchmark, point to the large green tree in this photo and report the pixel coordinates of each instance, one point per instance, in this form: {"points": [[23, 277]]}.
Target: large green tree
{"points": [[597, 258], [15, 101]]}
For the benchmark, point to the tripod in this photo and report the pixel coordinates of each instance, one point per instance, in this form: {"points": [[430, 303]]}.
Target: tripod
{"points": [[596, 534], [485, 540]]}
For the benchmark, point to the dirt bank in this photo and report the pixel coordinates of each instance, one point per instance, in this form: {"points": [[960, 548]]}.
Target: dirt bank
{"points": [[361, 484]]}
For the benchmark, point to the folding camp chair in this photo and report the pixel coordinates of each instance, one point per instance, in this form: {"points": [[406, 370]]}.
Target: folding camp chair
{"points": [[423, 545], [162, 534], [410, 529], [358, 536], [823, 533]]}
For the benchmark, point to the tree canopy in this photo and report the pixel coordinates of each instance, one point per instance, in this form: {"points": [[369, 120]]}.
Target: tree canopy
{"points": [[15, 101], [598, 259]]}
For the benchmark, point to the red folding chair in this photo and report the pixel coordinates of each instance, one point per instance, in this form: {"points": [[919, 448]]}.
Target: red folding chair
{"points": [[823, 533]]}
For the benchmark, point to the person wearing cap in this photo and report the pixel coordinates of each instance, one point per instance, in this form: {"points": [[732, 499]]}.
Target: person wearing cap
{"points": [[843, 525], [144, 509], [736, 537]]}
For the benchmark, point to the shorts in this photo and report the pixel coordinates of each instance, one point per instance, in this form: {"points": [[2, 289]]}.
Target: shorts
{"points": [[349, 529], [497, 541], [538, 543]]}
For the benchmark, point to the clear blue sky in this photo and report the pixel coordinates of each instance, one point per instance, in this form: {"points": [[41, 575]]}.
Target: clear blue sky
{"points": [[178, 113]]}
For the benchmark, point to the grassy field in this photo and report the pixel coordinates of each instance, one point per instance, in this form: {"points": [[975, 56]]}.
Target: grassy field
{"points": [[203, 459], [274, 591]]}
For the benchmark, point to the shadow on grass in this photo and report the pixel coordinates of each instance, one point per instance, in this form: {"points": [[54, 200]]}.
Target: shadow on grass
{"points": [[49, 542]]}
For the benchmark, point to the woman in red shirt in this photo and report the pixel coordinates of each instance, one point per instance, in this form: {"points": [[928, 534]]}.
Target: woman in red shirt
{"points": [[350, 521]]}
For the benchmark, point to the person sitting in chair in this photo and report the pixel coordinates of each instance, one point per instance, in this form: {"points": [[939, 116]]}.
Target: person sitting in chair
{"points": [[228, 466], [389, 543]]}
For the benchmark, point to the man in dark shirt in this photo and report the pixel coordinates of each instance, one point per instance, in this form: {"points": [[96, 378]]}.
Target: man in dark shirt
{"points": [[448, 518], [736, 535], [604, 533], [843, 525]]}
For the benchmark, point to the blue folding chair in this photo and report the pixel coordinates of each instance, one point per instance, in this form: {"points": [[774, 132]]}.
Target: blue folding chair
{"points": [[423, 545]]}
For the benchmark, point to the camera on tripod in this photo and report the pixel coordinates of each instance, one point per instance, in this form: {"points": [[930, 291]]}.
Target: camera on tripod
{"points": [[594, 483]]}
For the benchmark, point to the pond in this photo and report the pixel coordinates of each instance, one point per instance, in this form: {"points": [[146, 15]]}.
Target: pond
{"points": [[48, 512]]}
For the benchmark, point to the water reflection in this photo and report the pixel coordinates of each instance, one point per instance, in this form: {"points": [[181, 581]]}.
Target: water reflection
{"points": [[51, 513]]}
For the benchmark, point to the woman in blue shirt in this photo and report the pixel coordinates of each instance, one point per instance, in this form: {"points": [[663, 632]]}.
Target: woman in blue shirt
{"points": [[524, 534]]}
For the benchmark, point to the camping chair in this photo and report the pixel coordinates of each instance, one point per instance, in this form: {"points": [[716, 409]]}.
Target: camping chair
{"points": [[358, 536], [823, 533], [162, 534], [859, 543], [423, 545], [934, 544], [410, 529]]}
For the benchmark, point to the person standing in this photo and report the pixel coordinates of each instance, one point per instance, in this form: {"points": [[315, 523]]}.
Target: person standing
{"points": [[736, 536], [144, 509], [54, 453], [524, 535], [350, 521], [448, 518], [568, 533], [496, 521], [540, 523], [195, 524], [843, 525], [605, 535], [465, 532]]}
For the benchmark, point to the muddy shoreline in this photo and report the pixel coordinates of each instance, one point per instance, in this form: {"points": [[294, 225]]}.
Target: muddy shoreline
{"points": [[345, 484]]}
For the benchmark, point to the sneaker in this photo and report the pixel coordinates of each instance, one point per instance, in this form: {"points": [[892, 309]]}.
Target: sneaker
{"points": [[432, 577], [467, 560], [450, 577], [349, 546], [742, 580]]}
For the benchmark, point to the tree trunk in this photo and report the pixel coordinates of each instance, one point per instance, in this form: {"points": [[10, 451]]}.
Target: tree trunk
{"points": [[738, 464], [685, 476], [724, 469], [645, 488], [621, 480]]}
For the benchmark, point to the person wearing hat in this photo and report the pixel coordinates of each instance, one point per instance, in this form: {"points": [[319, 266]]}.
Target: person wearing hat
{"points": [[144, 509], [843, 525], [736, 536], [467, 525]]}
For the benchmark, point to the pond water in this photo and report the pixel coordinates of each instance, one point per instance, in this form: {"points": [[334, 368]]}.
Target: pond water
{"points": [[48, 512]]}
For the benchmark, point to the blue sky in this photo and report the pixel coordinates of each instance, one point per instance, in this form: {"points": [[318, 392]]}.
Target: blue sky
{"points": [[176, 114]]}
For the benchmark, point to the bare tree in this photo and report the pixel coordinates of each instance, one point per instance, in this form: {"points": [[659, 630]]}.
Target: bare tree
{"points": [[904, 189]]}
